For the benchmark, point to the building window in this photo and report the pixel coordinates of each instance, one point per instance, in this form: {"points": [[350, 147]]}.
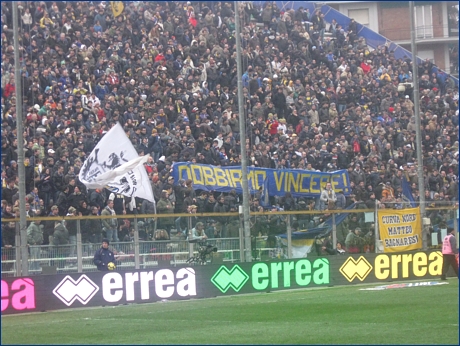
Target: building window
{"points": [[452, 13], [360, 16], [426, 54], [423, 21]]}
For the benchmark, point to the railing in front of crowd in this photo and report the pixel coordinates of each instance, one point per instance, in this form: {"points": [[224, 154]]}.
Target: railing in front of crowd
{"points": [[272, 235], [60, 259]]}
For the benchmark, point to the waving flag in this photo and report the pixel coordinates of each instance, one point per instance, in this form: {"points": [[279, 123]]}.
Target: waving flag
{"points": [[117, 7], [115, 164], [264, 198]]}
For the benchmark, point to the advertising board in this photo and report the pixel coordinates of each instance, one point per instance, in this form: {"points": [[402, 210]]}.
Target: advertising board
{"points": [[53, 292]]}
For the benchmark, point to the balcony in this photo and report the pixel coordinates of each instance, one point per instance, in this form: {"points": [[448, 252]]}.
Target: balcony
{"points": [[426, 32], [453, 29]]}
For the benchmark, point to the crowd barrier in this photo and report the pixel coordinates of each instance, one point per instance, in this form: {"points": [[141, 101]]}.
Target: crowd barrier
{"points": [[60, 259], [274, 234]]}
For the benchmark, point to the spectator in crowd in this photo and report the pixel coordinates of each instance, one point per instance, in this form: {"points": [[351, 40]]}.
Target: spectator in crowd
{"points": [[60, 235], [62, 200], [97, 199], [46, 187], [8, 234], [94, 226], [340, 249], [10, 190], [49, 226], [161, 234], [34, 241], [71, 225], [110, 225], [197, 233], [165, 206], [326, 246], [60, 240], [328, 198], [354, 241]]}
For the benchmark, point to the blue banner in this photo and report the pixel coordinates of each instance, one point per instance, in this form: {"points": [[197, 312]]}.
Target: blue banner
{"points": [[300, 183], [324, 228]]}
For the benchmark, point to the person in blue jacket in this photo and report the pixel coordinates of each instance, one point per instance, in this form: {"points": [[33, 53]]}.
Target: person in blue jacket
{"points": [[103, 256]]}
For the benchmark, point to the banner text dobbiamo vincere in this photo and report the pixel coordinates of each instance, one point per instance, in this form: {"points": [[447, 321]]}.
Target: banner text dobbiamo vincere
{"points": [[300, 183]]}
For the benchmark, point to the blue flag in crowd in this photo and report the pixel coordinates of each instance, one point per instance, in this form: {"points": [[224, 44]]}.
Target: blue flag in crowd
{"points": [[324, 228], [264, 201], [406, 190]]}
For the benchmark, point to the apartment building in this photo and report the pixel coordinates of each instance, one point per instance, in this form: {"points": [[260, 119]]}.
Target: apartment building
{"points": [[436, 25]]}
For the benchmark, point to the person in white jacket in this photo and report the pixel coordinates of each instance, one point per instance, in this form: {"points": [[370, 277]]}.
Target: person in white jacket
{"points": [[328, 197], [197, 233]]}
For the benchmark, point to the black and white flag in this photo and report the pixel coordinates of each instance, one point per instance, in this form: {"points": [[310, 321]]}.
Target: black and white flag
{"points": [[115, 165]]}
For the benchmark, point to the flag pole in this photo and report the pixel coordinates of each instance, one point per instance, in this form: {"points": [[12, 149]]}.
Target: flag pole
{"points": [[376, 227], [418, 140], [20, 132], [244, 161]]}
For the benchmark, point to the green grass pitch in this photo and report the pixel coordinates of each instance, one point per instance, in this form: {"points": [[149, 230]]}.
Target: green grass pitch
{"points": [[334, 315]]}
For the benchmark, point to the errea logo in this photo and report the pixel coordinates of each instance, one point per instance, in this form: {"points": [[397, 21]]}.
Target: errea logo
{"points": [[69, 290], [352, 269]]}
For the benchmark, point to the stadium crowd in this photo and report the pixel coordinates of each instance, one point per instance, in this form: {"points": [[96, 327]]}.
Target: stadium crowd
{"points": [[316, 97]]}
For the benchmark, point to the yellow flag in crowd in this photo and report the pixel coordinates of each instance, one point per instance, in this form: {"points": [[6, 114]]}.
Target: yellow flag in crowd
{"points": [[117, 7]]}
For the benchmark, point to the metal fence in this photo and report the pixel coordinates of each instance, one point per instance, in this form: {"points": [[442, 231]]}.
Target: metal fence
{"points": [[49, 259], [224, 231]]}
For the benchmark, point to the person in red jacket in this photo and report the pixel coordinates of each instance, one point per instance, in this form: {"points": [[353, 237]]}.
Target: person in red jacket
{"points": [[365, 66], [9, 88], [300, 126], [160, 57], [192, 20], [449, 252], [272, 124]]}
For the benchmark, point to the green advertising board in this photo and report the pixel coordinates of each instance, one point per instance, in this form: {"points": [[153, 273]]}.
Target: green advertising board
{"points": [[262, 276]]}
